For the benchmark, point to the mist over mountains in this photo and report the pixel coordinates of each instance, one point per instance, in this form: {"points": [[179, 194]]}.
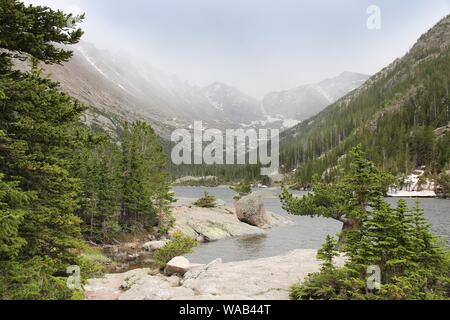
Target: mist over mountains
{"points": [[119, 89], [305, 101]]}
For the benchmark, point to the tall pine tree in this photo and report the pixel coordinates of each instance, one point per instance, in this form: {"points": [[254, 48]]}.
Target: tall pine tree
{"points": [[36, 125]]}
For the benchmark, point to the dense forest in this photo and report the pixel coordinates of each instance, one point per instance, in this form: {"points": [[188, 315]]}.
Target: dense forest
{"points": [[400, 116], [60, 183]]}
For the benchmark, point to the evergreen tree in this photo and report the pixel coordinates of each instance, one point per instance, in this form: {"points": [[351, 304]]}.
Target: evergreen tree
{"points": [[144, 179], [33, 31], [36, 124], [328, 252], [12, 204], [443, 183], [347, 199], [413, 264], [99, 169], [207, 201]]}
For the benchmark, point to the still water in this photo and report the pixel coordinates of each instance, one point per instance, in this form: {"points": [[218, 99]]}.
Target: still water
{"points": [[305, 233]]}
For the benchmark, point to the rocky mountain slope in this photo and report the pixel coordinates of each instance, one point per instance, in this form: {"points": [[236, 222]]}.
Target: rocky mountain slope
{"points": [[305, 101], [233, 104], [118, 88], [394, 116]]}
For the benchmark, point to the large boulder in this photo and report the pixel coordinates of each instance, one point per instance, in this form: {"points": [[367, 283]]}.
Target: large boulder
{"points": [[178, 265], [251, 210]]}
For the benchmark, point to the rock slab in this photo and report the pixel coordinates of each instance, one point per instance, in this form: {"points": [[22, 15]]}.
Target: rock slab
{"points": [[212, 224], [261, 279]]}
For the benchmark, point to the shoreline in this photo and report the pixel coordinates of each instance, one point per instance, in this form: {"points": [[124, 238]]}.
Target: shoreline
{"points": [[205, 225], [258, 279]]}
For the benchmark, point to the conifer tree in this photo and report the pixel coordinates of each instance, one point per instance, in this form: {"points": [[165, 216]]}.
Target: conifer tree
{"points": [[347, 199], [144, 178], [99, 169], [36, 121], [413, 264], [328, 252], [244, 188], [207, 201]]}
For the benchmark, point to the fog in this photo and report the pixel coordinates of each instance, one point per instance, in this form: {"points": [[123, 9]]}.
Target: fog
{"points": [[258, 46]]}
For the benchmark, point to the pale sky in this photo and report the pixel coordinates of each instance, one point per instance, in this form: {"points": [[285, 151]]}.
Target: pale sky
{"points": [[258, 46]]}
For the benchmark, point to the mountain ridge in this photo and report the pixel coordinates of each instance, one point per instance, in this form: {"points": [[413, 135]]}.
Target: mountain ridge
{"points": [[392, 115], [118, 89], [297, 103]]}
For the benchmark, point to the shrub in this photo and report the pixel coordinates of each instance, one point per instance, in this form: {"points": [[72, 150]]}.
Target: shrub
{"points": [[207, 201], [244, 188], [179, 245], [443, 183]]}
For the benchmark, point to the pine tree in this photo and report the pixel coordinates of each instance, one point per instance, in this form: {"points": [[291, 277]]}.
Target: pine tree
{"points": [[207, 201], [33, 30], [426, 249], [347, 199], [144, 178], [328, 252], [413, 264], [12, 204], [443, 183], [100, 172], [36, 124]]}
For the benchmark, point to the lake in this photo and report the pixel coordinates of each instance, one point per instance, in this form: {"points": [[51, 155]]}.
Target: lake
{"points": [[305, 233]]}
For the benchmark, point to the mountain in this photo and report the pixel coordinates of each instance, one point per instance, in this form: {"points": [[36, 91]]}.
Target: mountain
{"points": [[233, 104], [398, 116], [305, 101], [119, 89]]}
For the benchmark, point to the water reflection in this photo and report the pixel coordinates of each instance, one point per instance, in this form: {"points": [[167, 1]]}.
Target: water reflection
{"points": [[251, 246]]}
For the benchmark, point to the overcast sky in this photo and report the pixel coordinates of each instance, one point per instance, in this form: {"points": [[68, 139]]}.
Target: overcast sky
{"points": [[256, 45]]}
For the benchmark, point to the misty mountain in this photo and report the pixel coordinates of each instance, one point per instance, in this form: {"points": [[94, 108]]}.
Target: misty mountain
{"points": [[400, 116], [233, 104], [305, 101], [117, 89]]}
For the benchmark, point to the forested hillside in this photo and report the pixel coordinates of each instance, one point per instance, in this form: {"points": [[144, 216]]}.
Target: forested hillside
{"points": [[400, 116], [60, 183]]}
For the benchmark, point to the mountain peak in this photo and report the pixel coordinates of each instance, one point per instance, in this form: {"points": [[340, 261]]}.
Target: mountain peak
{"points": [[305, 101], [234, 103]]}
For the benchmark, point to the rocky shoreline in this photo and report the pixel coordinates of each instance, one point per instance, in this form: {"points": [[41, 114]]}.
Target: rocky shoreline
{"points": [[261, 279], [217, 223], [264, 278], [202, 224]]}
